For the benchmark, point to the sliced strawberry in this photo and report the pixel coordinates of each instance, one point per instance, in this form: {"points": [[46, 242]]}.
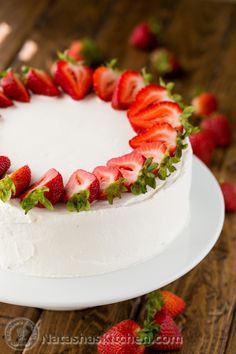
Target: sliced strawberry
{"points": [[127, 87], [155, 150], [4, 100], [110, 181], [146, 97], [14, 184], [162, 112], [160, 132], [46, 192], [81, 190], [5, 164], [74, 78], [205, 104], [13, 87], [40, 82], [104, 82], [85, 50]]}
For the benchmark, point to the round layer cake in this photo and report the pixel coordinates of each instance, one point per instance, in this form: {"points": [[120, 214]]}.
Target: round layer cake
{"points": [[67, 135]]}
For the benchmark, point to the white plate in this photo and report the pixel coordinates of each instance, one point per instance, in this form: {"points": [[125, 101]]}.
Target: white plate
{"points": [[198, 238]]}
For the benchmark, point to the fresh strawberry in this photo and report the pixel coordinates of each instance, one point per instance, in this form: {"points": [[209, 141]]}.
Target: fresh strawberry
{"points": [[85, 50], [162, 132], [13, 87], [164, 61], [5, 164], [4, 100], [127, 87], [204, 104], [110, 181], [219, 126], [15, 184], [203, 145], [173, 304], [146, 97], [104, 81], [81, 190], [145, 35], [162, 112], [169, 336], [40, 82], [229, 193], [74, 78], [156, 150], [121, 338], [46, 192]]}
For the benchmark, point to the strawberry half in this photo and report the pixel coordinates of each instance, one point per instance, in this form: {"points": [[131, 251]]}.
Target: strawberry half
{"points": [[127, 87], [204, 104], [74, 78], [46, 192], [156, 150], [81, 190], [146, 97], [85, 50], [160, 132], [4, 100], [5, 164], [162, 112], [104, 81], [13, 87], [110, 181], [15, 184], [40, 82]]}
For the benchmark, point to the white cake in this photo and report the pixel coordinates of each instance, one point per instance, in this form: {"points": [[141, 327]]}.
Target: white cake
{"points": [[66, 135]]}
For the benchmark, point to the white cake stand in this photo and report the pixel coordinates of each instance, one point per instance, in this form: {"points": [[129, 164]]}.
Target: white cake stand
{"points": [[195, 242]]}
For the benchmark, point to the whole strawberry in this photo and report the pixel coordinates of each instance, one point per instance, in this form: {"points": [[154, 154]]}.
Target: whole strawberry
{"points": [[203, 145], [165, 62], [219, 126], [204, 104], [85, 50], [145, 35], [229, 193], [172, 303]]}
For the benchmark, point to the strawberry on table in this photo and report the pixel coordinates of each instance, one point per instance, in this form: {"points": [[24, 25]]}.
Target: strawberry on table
{"points": [[81, 190], [74, 78], [145, 35], [15, 184], [110, 181], [104, 80], [204, 104], [172, 303], [219, 126], [127, 87], [203, 145], [44, 193], [165, 62], [40, 82], [5, 164], [85, 50], [4, 100], [13, 87], [229, 193]]}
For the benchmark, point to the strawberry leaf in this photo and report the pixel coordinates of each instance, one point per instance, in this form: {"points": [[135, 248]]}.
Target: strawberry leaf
{"points": [[146, 76], [79, 202], [7, 189], [65, 56], [147, 335], [34, 198], [146, 178], [112, 64], [154, 303], [115, 189]]}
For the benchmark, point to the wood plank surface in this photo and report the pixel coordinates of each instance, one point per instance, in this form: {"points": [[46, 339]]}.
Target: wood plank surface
{"points": [[202, 34]]}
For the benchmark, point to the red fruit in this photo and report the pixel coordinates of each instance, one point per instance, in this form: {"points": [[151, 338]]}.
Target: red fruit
{"points": [[84, 50], [127, 87], [173, 304], [46, 192], [13, 87], [146, 97], [162, 112], [203, 145], [121, 339], [219, 126], [104, 82], [156, 150], [160, 132], [4, 100], [129, 166], [169, 336], [143, 36], [74, 78], [40, 82], [14, 184], [204, 104], [229, 193], [81, 190], [164, 62], [5, 164]]}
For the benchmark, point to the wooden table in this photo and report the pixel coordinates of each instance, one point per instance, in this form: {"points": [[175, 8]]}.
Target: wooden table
{"points": [[203, 34]]}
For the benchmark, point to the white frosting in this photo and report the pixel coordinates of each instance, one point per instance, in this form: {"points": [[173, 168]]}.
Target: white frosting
{"points": [[106, 238]]}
